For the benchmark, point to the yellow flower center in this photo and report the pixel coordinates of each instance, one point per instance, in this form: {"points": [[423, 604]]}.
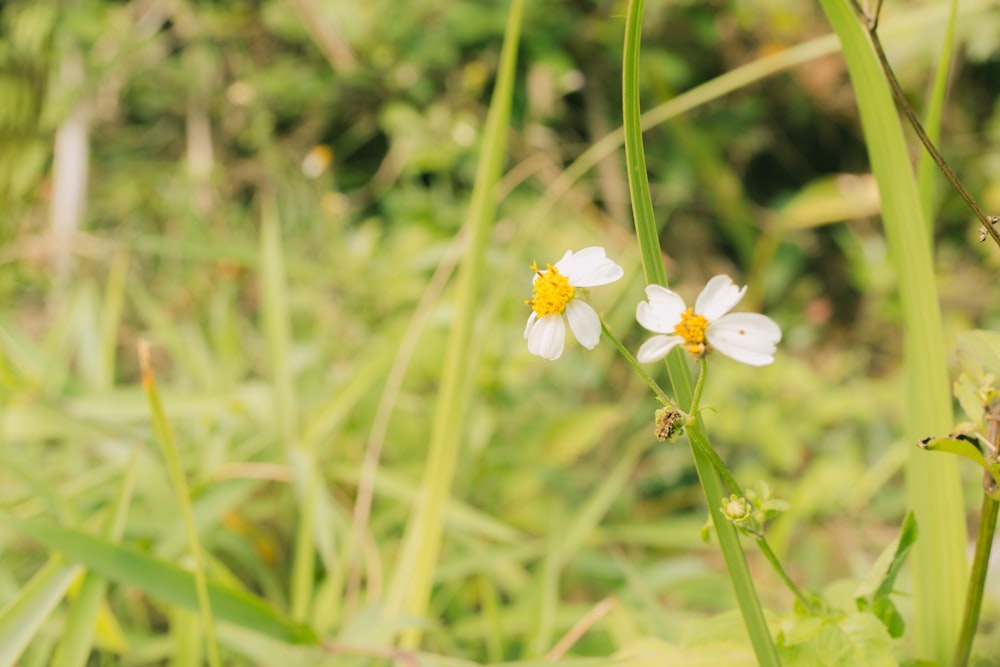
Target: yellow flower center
{"points": [[551, 292], [692, 329]]}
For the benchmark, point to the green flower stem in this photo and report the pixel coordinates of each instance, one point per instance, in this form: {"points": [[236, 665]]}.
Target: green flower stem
{"points": [[705, 448], [734, 487], [984, 545], [660, 394], [977, 579], [776, 564], [680, 376], [699, 385], [175, 470]]}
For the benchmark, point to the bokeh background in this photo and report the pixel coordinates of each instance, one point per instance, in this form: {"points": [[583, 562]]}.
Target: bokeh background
{"points": [[144, 145]]}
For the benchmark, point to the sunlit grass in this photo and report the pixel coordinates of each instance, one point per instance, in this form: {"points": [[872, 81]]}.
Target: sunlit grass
{"points": [[276, 326]]}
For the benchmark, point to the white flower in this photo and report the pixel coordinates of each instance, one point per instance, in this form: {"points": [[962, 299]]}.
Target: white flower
{"points": [[556, 298], [746, 337]]}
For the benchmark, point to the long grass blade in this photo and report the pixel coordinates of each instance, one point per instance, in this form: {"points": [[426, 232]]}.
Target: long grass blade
{"points": [[680, 376], [78, 637], [933, 486], [25, 614], [163, 581], [410, 588]]}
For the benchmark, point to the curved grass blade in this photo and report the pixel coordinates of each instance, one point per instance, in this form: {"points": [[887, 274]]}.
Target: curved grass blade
{"points": [[680, 376], [163, 581], [933, 485]]}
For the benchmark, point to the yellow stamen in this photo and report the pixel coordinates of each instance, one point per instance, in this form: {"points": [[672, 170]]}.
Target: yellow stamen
{"points": [[551, 292], [692, 329]]}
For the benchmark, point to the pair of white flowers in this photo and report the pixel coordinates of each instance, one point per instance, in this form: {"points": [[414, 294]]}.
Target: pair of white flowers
{"points": [[749, 338]]}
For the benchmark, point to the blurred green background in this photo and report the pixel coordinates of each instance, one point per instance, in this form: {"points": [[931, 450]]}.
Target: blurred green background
{"points": [[143, 143]]}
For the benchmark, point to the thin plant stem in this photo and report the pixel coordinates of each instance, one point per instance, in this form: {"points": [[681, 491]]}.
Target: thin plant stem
{"points": [[175, 470], [871, 23], [699, 385], [734, 487], [702, 445], [984, 545], [977, 579], [776, 564], [660, 394]]}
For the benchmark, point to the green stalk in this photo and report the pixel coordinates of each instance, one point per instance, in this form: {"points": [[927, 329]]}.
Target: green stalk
{"points": [[776, 564], [933, 485], [410, 589], [175, 470], [661, 395], [977, 579], [680, 376]]}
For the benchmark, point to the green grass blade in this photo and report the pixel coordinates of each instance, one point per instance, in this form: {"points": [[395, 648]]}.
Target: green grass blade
{"points": [[78, 637], [646, 229], [926, 169], [24, 615], [163, 581], [111, 315], [410, 588], [939, 566], [680, 376], [178, 481], [277, 328]]}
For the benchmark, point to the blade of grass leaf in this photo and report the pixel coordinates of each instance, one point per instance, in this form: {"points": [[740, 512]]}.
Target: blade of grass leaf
{"points": [[277, 327], [411, 585], [175, 470], [933, 486], [680, 376], [78, 636], [111, 314], [24, 615], [926, 169], [163, 581]]}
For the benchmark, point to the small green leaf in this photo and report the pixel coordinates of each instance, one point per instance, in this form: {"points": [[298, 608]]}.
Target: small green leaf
{"points": [[964, 446], [885, 610], [873, 594], [969, 393], [882, 577], [979, 353]]}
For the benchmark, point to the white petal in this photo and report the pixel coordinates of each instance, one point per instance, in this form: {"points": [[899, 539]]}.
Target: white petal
{"points": [[662, 312], [547, 337], [749, 338], [531, 322], [584, 322], [718, 298], [657, 347], [589, 267]]}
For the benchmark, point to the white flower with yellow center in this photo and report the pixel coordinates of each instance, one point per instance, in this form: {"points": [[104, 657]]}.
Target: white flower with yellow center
{"points": [[749, 338], [556, 299]]}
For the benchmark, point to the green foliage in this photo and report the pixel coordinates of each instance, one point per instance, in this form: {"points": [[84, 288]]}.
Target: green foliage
{"points": [[274, 197]]}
